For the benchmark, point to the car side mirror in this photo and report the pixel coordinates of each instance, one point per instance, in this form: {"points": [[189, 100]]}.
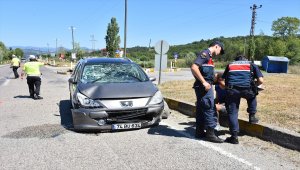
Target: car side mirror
{"points": [[71, 80], [152, 78]]}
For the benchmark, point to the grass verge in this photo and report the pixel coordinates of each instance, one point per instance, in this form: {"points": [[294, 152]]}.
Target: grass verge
{"points": [[278, 104]]}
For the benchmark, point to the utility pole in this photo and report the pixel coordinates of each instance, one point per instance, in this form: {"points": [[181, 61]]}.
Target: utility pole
{"points": [[253, 8], [245, 46], [252, 43], [56, 47], [72, 29], [48, 48], [125, 29], [149, 44], [93, 42]]}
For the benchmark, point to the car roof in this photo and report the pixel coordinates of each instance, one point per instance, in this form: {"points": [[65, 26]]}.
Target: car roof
{"points": [[105, 60]]}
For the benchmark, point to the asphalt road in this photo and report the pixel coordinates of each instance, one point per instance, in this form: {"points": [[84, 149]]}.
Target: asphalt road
{"points": [[183, 74], [33, 136]]}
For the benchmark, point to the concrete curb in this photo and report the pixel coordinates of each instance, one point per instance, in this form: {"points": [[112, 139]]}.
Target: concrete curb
{"points": [[282, 137]]}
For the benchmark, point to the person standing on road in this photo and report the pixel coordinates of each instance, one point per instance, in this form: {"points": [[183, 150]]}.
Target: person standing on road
{"points": [[203, 71], [240, 77], [32, 70], [15, 64]]}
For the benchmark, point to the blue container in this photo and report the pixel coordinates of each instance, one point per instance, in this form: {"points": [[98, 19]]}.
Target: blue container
{"points": [[274, 64]]}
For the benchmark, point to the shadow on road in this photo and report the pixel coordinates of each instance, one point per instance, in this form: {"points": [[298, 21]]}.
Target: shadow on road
{"points": [[187, 132], [167, 131], [22, 96], [66, 114]]}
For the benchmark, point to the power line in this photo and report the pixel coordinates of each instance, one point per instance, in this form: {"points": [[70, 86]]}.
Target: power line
{"points": [[251, 50], [253, 8], [93, 42]]}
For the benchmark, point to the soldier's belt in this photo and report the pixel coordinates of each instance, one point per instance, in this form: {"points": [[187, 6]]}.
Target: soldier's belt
{"points": [[237, 87]]}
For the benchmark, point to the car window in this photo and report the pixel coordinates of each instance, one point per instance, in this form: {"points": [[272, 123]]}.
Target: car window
{"points": [[77, 71], [113, 73]]}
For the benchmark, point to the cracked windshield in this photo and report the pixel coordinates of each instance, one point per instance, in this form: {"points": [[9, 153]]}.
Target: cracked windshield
{"points": [[113, 73]]}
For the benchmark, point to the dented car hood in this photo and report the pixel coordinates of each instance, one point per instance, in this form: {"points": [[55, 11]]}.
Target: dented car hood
{"points": [[117, 90]]}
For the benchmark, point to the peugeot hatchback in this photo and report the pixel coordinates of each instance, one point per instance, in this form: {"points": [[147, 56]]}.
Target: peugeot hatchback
{"points": [[113, 94]]}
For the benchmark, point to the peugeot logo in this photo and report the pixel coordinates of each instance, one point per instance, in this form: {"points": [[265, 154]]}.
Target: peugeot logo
{"points": [[126, 103]]}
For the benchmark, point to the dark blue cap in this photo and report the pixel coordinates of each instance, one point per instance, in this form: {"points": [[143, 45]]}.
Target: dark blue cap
{"points": [[219, 44]]}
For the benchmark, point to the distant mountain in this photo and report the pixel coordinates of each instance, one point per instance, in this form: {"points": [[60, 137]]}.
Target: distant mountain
{"points": [[36, 49], [40, 50]]}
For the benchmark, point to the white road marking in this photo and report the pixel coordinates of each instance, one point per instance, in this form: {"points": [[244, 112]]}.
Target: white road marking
{"points": [[213, 147]]}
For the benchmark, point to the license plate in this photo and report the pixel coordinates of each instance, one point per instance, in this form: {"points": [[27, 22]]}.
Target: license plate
{"points": [[126, 126]]}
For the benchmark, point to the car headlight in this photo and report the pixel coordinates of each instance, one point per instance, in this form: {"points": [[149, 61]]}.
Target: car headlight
{"points": [[87, 102], [157, 98]]}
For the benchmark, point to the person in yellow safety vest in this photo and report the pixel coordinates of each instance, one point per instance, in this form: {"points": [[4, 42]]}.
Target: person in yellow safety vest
{"points": [[15, 64], [32, 70]]}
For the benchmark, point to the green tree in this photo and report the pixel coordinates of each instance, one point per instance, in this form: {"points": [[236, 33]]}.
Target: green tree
{"points": [[260, 42], [264, 45], [3, 51], [112, 38], [286, 26], [279, 47], [252, 48], [79, 51], [189, 59], [293, 50], [19, 52], [9, 53]]}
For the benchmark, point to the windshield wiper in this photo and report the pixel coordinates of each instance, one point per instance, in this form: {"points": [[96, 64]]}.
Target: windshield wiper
{"points": [[96, 80], [135, 77]]}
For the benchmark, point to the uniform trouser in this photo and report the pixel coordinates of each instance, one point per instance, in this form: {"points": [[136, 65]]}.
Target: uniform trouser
{"points": [[233, 99], [34, 84], [15, 70], [206, 114]]}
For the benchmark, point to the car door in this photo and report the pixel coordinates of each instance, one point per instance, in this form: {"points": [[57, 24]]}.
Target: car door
{"points": [[75, 79]]}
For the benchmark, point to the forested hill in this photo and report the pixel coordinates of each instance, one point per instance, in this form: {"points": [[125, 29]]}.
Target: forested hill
{"points": [[264, 45]]}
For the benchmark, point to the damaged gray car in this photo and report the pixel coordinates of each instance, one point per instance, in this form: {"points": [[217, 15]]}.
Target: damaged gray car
{"points": [[113, 94]]}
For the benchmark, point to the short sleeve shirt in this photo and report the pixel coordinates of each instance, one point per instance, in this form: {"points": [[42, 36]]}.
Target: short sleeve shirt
{"points": [[206, 66], [15, 62], [32, 68]]}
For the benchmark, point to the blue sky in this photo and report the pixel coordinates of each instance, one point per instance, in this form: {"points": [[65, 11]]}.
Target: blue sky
{"points": [[41, 22]]}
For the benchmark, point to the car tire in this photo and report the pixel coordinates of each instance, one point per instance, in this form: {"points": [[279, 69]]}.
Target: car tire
{"points": [[166, 112]]}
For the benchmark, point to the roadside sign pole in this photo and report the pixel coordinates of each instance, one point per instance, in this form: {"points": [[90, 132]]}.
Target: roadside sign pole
{"points": [[161, 46]]}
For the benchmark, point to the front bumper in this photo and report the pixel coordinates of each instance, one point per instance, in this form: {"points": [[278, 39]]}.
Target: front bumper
{"points": [[92, 119]]}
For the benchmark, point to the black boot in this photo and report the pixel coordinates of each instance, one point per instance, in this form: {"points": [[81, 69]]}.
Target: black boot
{"points": [[233, 139], [211, 136], [253, 119], [199, 133], [37, 97]]}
